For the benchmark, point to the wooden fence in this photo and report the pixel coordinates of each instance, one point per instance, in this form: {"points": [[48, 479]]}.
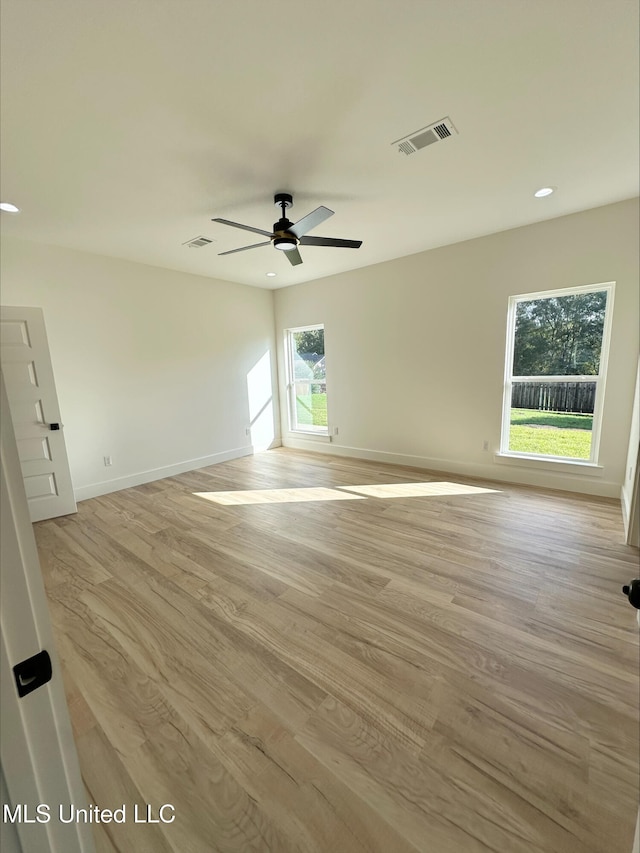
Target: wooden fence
{"points": [[554, 396]]}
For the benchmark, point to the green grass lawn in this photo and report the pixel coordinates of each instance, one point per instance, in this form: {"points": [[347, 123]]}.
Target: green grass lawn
{"points": [[551, 433], [311, 410]]}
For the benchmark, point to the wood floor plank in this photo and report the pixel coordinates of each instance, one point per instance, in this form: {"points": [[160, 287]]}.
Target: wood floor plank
{"points": [[169, 653], [64, 562], [435, 665], [340, 820], [213, 811], [416, 798], [107, 780]]}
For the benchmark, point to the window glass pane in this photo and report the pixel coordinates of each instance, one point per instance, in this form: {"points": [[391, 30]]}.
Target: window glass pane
{"points": [[559, 336], [309, 388], [311, 405], [552, 418]]}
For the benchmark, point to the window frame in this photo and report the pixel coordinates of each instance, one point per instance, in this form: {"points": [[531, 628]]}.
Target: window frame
{"points": [[290, 381], [599, 379]]}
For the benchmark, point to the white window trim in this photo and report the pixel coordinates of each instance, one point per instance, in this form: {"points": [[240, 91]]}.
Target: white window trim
{"points": [[600, 380], [290, 385]]}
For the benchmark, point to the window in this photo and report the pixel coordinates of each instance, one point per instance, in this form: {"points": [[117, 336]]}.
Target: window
{"points": [[557, 346], [306, 379]]}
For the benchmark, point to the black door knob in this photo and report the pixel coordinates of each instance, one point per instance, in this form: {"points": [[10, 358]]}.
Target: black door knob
{"points": [[632, 591], [54, 426]]}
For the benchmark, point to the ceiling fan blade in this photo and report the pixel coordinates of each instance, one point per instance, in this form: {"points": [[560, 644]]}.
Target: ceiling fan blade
{"points": [[244, 227], [244, 248], [330, 241], [293, 257], [311, 220]]}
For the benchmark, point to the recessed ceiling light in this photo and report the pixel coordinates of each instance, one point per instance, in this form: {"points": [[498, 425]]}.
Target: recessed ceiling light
{"points": [[544, 191], [8, 207], [271, 274]]}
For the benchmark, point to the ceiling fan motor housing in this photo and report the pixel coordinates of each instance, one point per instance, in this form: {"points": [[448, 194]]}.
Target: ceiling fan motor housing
{"points": [[282, 226]]}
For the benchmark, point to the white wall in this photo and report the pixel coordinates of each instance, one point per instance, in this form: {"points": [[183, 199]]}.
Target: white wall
{"points": [[151, 365], [415, 347]]}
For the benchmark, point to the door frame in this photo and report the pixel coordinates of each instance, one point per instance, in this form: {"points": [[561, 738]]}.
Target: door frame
{"points": [[37, 749]]}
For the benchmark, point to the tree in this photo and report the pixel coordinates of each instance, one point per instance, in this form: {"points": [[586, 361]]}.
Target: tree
{"points": [[559, 336], [310, 342]]}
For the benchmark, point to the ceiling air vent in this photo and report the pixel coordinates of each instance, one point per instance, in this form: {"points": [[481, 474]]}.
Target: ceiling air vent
{"points": [[426, 136], [198, 242]]}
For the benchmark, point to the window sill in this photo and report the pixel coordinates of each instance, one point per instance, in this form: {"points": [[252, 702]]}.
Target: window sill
{"points": [[589, 469], [313, 436]]}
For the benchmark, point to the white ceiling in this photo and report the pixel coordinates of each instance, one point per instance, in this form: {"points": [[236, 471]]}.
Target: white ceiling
{"points": [[128, 125]]}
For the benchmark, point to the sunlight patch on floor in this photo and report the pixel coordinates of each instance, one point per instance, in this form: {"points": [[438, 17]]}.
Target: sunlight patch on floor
{"points": [[416, 490], [342, 493], [280, 496]]}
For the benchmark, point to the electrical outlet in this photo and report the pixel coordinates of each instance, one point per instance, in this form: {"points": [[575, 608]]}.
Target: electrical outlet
{"points": [[485, 445], [335, 430], [247, 431], [108, 461]]}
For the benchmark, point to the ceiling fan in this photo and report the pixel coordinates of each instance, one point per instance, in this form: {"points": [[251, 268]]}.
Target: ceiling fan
{"points": [[287, 235]]}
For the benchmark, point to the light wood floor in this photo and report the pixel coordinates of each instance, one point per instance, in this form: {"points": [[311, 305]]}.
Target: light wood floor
{"points": [[418, 668]]}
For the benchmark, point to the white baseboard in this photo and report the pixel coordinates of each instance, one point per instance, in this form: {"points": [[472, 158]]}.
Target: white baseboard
{"points": [[586, 484], [94, 490]]}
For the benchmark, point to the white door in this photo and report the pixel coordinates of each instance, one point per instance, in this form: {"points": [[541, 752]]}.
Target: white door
{"points": [[33, 403], [38, 754]]}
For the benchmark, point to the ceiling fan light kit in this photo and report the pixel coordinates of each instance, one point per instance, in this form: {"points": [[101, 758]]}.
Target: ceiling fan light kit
{"points": [[285, 243], [287, 235]]}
